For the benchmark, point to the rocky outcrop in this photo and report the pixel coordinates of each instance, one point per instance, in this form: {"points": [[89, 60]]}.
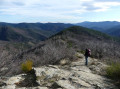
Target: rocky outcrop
{"points": [[71, 76], [29, 80]]}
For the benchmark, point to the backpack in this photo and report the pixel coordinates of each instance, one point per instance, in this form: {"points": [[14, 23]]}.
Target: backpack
{"points": [[89, 52]]}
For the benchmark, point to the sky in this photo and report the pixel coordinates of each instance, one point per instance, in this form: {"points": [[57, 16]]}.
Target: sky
{"points": [[64, 11]]}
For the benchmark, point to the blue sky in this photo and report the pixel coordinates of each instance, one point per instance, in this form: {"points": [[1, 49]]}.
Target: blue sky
{"points": [[67, 11]]}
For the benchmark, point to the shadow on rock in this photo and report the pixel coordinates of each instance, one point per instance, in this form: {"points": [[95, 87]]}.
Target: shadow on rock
{"points": [[29, 80]]}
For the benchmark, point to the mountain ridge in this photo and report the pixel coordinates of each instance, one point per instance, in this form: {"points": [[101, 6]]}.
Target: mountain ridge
{"points": [[41, 31], [108, 27], [103, 25], [114, 31], [64, 44], [30, 31]]}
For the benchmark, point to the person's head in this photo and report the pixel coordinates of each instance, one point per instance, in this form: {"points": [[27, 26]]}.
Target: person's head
{"points": [[86, 49]]}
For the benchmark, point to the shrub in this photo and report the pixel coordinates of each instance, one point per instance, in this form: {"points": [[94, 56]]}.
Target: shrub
{"points": [[113, 71], [27, 66], [70, 44]]}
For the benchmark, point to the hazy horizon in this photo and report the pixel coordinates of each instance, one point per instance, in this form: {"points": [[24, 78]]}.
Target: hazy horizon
{"points": [[57, 22]]}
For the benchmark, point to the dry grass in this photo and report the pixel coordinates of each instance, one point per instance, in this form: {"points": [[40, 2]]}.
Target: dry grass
{"points": [[114, 71]]}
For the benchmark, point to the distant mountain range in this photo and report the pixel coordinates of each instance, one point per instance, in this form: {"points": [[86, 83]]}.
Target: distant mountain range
{"points": [[109, 27], [30, 31], [114, 31], [24, 32]]}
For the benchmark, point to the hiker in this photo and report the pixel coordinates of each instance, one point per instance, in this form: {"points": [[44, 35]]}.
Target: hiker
{"points": [[87, 54]]}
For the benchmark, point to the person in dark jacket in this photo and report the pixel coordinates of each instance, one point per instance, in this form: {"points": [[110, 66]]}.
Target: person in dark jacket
{"points": [[87, 54]]}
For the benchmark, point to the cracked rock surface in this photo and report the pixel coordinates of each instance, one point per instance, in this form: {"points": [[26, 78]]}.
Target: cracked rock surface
{"points": [[73, 76]]}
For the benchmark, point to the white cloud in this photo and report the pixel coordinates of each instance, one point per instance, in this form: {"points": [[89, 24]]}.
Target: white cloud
{"points": [[66, 9], [105, 6]]}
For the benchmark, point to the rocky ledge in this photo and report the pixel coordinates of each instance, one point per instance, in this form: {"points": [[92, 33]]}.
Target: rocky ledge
{"points": [[74, 75]]}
